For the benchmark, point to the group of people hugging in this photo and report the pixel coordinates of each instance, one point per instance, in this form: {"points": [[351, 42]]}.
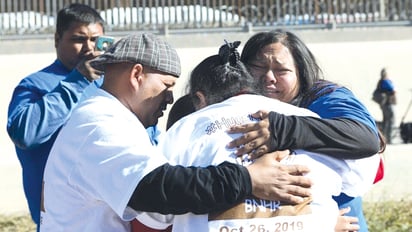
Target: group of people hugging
{"points": [[259, 142]]}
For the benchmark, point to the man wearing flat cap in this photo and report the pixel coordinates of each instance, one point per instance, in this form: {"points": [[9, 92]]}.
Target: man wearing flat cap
{"points": [[103, 169]]}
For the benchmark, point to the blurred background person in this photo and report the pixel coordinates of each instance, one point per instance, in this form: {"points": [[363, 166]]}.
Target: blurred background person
{"points": [[387, 87]]}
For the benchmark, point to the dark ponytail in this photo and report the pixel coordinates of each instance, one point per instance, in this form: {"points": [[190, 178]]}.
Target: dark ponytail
{"points": [[222, 76]]}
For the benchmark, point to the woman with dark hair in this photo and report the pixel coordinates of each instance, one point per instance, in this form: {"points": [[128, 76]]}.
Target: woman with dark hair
{"points": [[290, 73]]}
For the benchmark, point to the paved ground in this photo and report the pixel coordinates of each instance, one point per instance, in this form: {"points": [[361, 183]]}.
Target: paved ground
{"points": [[353, 58]]}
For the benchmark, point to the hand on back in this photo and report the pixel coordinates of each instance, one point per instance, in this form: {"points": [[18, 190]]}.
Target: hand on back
{"points": [[274, 181], [256, 138]]}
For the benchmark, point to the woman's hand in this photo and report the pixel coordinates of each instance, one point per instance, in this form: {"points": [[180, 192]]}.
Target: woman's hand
{"points": [[255, 140]]}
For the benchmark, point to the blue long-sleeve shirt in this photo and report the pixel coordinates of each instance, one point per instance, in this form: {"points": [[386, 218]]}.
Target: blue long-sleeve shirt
{"points": [[341, 103], [40, 105]]}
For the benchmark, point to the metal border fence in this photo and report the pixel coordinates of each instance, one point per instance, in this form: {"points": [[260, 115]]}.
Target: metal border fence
{"points": [[28, 17]]}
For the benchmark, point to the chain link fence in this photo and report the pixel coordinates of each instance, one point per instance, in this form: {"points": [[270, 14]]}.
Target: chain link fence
{"points": [[27, 17]]}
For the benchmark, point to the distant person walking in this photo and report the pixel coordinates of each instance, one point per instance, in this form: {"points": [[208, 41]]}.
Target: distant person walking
{"points": [[387, 105]]}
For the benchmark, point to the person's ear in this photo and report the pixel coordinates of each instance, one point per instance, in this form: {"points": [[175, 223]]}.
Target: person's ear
{"points": [[201, 100], [137, 71], [135, 75]]}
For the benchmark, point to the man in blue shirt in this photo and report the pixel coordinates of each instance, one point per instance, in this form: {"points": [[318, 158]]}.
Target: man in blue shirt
{"points": [[43, 101], [387, 106]]}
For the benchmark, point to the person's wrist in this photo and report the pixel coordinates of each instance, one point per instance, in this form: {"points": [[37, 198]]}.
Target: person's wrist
{"points": [[247, 179], [272, 128]]}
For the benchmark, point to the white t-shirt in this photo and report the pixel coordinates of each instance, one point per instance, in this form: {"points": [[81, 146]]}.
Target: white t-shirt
{"points": [[97, 160], [200, 140]]}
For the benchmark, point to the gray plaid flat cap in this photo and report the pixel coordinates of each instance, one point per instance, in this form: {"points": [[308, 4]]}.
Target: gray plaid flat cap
{"points": [[142, 48]]}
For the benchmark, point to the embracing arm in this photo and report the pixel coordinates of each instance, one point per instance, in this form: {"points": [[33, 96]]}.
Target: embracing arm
{"points": [[346, 128], [339, 137], [177, 190]]}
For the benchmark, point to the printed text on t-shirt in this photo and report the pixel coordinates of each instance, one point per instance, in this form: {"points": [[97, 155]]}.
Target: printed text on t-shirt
{"points": [[225, 123]]}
